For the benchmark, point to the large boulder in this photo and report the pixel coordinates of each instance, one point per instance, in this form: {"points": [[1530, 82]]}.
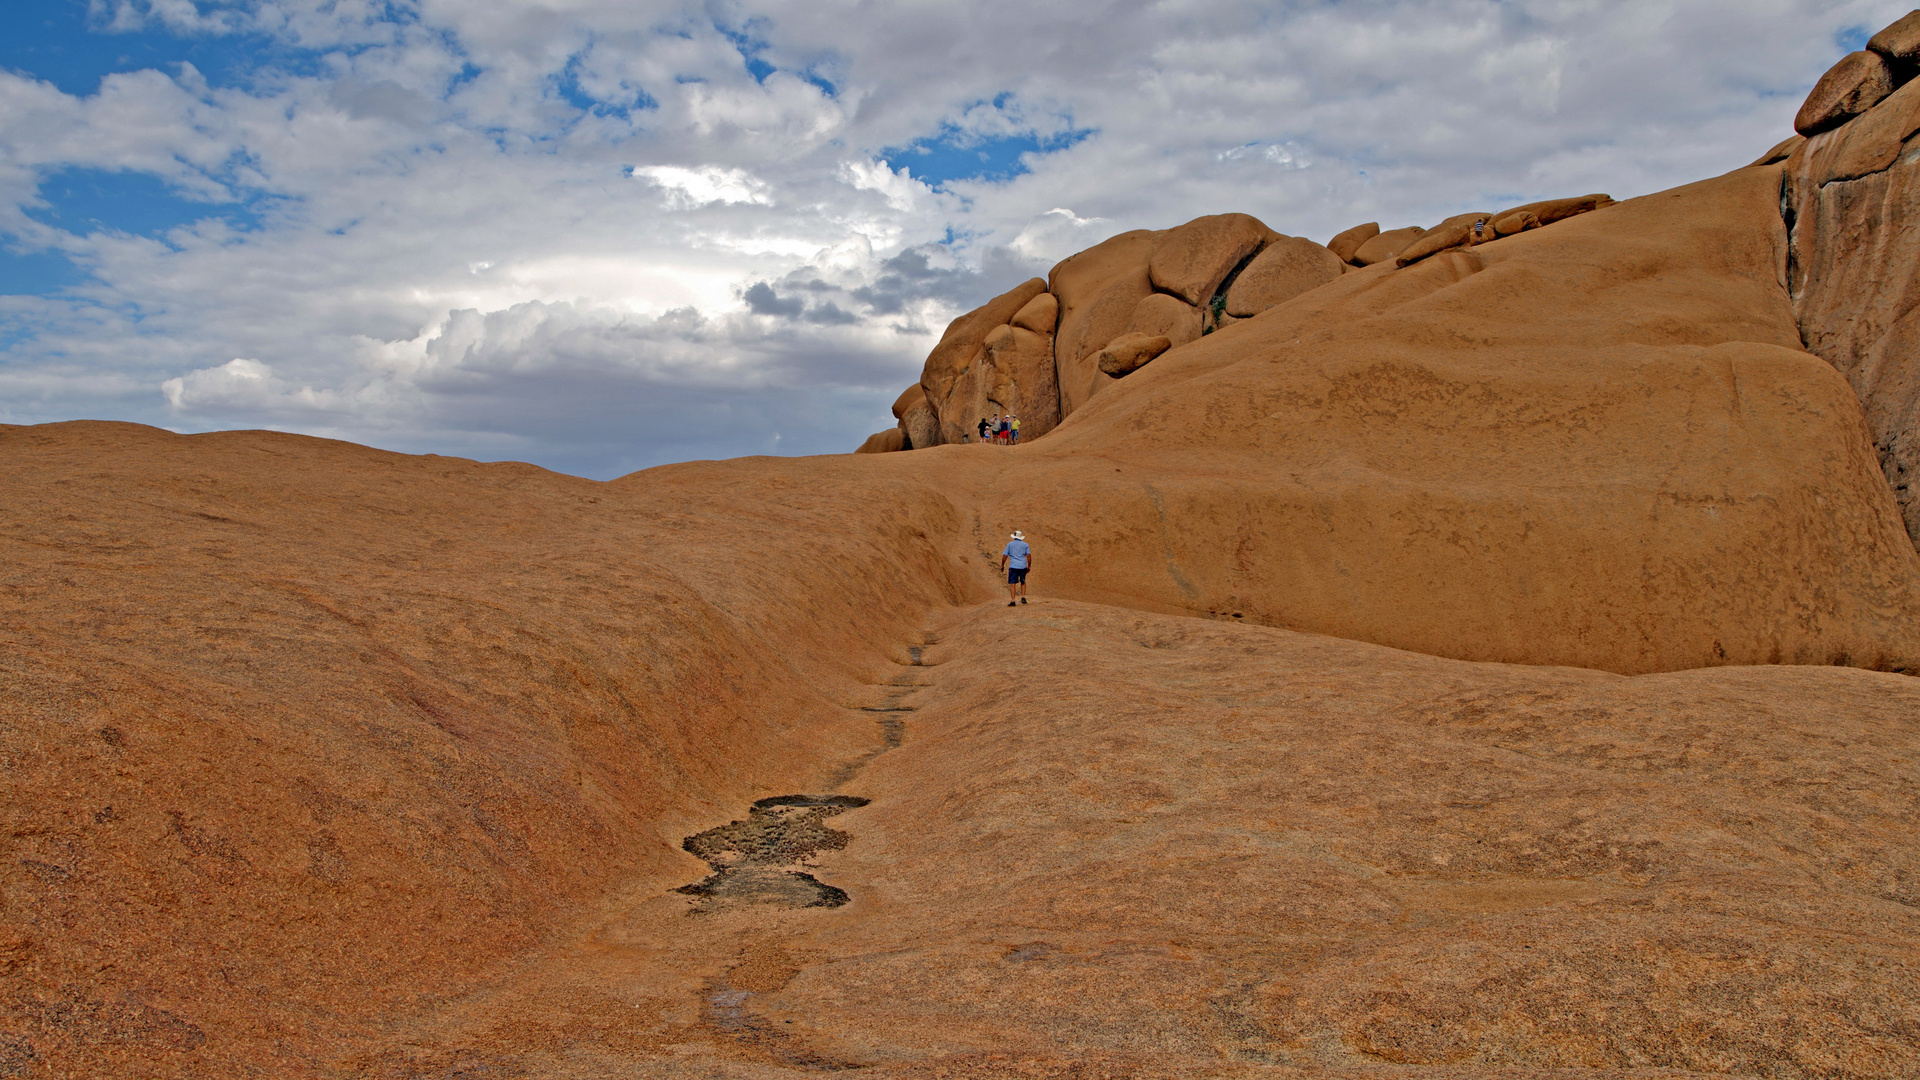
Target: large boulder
{"points": [[1854, 275], [1193, 259], [1166, 316], [884, 442], [1857, 83], [1025, 383], [1347, 243], [1900, 42], [1130, 352], [1098, 290], [921, 425], [960, 346], [1041, 315], [907, 397], [1868, 145], [1387, 246], [1284, 269]]}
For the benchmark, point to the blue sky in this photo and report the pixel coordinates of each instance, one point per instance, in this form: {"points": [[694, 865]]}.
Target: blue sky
{"points": [[625, 233]]}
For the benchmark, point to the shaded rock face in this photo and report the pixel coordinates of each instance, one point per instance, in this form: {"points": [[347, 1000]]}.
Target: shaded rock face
{"points": [[1850, 195]]}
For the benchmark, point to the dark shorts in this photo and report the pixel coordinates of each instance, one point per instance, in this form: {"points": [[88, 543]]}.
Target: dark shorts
{"points": [[1016, 575]]}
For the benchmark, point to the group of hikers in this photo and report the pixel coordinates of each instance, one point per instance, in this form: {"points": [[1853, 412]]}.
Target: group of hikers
{"points": [[1004, 429]]}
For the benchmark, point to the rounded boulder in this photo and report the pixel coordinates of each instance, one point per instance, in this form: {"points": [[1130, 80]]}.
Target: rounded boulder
{"points": [[1130, 352], [1193, 259], [1286, 268], [1857, 83], [1387, 245], [1345, 244]]}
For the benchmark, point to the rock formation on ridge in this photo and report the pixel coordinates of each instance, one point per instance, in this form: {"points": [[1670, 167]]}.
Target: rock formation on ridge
{"points": [[1181, 283]]}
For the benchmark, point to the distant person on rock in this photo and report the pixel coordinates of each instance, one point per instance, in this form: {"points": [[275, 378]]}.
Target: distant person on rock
{"points": [[1016, 431], [1004, 436], [1015, 560], [983, 429]]}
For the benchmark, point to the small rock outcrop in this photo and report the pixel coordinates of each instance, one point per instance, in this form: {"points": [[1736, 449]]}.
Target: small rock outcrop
{"points": [[883, 442], [1130, 352]]}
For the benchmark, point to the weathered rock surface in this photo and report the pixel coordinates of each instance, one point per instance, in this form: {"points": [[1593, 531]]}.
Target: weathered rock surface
{"points": [[1347, 243], [1024, 381], [1193, 259], [1854, 274], [920, 425], [1098, 290], [1284, 269], [1211, 850], [1857, 83], [1386, 246], [318, 735], [1165, 316], [1128, 352]]}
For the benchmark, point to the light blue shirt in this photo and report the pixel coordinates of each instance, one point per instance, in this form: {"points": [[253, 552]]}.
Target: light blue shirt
{"points": [[1016, 554]]}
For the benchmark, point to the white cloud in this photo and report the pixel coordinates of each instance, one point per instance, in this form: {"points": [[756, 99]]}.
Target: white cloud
{"points": [[688, 188], [603, 233]]}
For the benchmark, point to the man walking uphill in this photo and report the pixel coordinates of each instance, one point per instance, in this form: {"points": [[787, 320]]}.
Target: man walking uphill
{"points": [[1015, 560]]}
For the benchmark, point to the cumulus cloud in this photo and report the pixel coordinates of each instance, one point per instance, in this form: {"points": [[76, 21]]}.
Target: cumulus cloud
{"points": [[610, 234]]}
